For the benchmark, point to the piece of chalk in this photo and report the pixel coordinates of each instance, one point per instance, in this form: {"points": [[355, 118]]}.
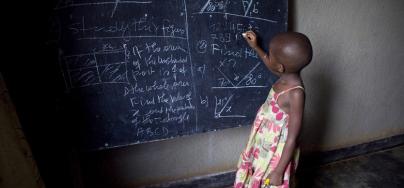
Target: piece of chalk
{"points": [[244, 34]]}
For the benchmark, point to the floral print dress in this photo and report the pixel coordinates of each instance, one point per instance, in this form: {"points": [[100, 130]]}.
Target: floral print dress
{"points": [[265, 145]]}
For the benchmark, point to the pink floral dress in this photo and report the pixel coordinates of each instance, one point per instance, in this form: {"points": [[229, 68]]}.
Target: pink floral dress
{"points": [[265, 145]]}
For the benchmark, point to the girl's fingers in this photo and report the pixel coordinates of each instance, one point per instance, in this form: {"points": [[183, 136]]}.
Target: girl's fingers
{"points": [[248, 35], [244, 35]]}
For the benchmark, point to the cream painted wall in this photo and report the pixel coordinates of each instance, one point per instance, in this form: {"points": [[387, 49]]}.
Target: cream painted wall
{"points": [[354, 95], [355, 83]]}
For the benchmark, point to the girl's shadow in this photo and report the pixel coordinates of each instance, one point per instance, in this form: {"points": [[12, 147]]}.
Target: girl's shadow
{"points": [[320, 86], [315, 123]]}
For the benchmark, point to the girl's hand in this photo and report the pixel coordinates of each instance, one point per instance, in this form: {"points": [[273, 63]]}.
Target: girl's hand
{"points": [[251, 39], [276, 178]]}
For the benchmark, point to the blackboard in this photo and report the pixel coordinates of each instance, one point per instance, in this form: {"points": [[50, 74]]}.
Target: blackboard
{"points": [[146, 70]]}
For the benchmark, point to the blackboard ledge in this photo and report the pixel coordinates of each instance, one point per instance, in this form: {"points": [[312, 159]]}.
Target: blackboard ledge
{"points": [[159, 140]]}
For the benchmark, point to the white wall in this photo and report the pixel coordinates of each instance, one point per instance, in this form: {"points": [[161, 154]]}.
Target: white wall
{"points": [[354, 92]]}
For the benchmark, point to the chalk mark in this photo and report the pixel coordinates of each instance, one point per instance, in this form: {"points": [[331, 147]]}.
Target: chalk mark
{"points": [[125, 37], [60, 62], [101, 3], [126, 61], [86, 67], [232, 116], [237, 15], [204, 7], [219, 114], [226, 77], [96, 53], [227, 102], [96, 66], [248, 73], [238, 87], [248, 8], [115, 5]]}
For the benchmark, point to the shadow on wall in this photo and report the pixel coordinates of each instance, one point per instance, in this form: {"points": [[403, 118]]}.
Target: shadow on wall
{"points": [[320, 86], [320, 90], [317, 116], [291, 15]]}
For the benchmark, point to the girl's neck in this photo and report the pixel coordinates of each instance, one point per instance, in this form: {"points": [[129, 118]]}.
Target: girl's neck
{"points": [[289, 77], [287, 80]]}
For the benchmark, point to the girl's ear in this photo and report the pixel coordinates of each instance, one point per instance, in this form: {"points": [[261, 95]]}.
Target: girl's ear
{"points": [[281, 68]]}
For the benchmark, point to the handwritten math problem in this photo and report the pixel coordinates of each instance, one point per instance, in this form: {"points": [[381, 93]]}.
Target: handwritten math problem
{"points": [[156, 69]]}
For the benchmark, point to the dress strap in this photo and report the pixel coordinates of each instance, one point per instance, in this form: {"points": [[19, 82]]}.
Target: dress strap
{"points": [[284, 91]]}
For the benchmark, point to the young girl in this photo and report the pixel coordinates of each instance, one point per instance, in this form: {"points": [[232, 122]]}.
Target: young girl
{"points": [[271, 154]]}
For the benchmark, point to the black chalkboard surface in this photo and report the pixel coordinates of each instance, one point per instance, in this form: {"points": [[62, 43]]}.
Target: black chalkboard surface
{"points": [[140, 71]]}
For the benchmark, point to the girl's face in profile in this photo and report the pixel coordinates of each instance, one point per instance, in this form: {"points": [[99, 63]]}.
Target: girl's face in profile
{"points": [[273, 62]]}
